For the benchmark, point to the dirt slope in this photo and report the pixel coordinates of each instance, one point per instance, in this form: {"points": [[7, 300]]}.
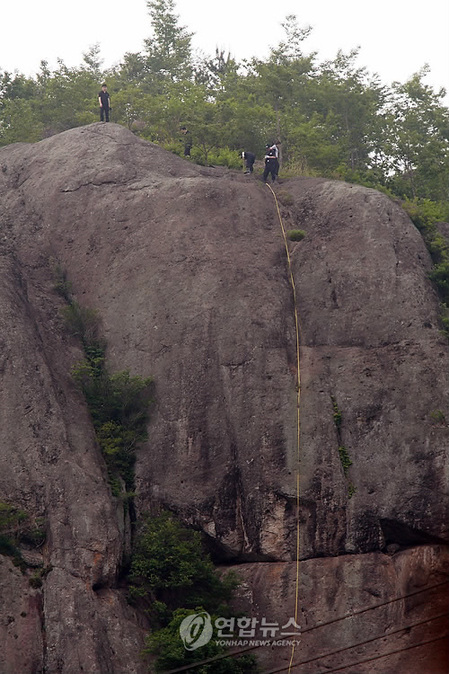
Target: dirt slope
{"points": [[187, 268]]}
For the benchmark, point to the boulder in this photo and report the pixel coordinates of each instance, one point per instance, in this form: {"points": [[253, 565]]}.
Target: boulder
{"points": [[187, 268]]}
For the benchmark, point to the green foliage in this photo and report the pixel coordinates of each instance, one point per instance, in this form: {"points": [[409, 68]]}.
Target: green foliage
{"points": [[416, 142], [351, 490], [83, 323], [438, 417], [425, 214], [9, 549], [225, 157], [172, 576], [119, 407], [337, 414], [17, 527], [296, 234], [167, 645], [36, 580], [440, 276], [118, 403], [342, 451], [168, 50], [333, 118], [169, 567], [445, 319], [285, 198], [11, 519], [344, 458]]}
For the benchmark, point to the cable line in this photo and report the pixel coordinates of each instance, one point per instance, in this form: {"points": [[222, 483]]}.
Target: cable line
{"points": [[385, 655], [361, 643], [371, 608], [233, 654]]}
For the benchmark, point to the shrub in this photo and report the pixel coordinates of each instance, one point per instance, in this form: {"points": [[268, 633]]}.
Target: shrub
{"points": [[286, 199], [11, 519], [173, 577], [170, 570], [62, 285], [83, 323], [440, 277], [17, 527], [119, 407], [425, 213], [344, 458], [295, 234], [118, 403], [225, 157], [167, 645], [336, 414], [36, 580], [438, 417]]}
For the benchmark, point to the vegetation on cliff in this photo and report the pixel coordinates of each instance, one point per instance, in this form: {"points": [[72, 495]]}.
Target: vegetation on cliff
{"points": [[118, 403], [17, 528], [172, 577]]}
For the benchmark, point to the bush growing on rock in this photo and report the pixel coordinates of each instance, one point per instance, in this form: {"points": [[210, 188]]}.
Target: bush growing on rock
{"points": [[172, 577]]}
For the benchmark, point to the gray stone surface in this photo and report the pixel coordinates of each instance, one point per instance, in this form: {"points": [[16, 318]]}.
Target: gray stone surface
{"points": [[186, 266], [365, 614]]}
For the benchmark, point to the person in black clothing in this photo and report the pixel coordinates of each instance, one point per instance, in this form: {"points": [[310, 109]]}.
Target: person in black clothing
{"points": [[105, 103], [271, 164], [274, 147], [187, 140], [249, 158]]}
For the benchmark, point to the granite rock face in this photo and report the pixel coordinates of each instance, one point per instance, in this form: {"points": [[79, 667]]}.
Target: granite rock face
{"points": [[371, 614], [187, 269]]}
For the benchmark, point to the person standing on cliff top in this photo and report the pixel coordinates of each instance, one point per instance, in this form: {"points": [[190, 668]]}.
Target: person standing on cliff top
{"points": [[271, 164], [276, 152], [187, 140], [105, 103]]}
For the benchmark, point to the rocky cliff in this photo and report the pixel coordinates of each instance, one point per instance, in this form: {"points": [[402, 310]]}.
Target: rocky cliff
{"points": [[187, 269]]}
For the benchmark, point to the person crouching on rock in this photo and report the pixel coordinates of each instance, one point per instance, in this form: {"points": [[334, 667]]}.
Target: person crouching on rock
{"points": [[105, 103], [249, 158], [271, 164]]}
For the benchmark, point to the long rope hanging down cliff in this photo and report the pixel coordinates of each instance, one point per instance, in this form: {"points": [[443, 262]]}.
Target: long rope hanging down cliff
{"points": [[298, 398]]}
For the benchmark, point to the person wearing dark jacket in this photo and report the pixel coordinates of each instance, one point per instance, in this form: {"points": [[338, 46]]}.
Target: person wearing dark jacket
{"points": [[105, 103], [187, 140], [271, 164], [249, 158], [276, 151]]}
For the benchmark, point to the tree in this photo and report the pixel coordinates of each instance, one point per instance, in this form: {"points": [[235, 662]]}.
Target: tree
{"points": [[416, 141], [92, 62], [282, 80], [215, 73], [170, 570], [290, 49], [348, 101], [168, 51], [171, 575]]}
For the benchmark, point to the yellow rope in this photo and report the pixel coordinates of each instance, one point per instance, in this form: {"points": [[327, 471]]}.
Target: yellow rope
{"points": [[298, 396]]}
